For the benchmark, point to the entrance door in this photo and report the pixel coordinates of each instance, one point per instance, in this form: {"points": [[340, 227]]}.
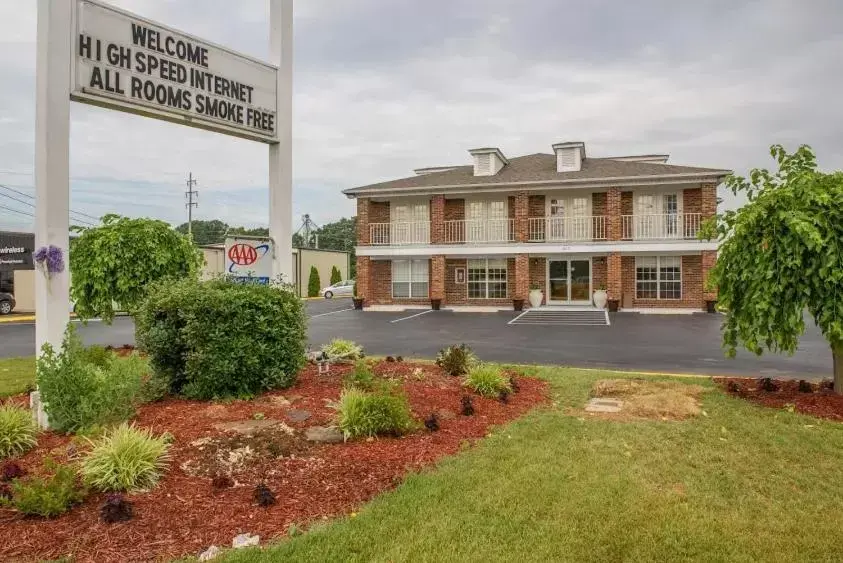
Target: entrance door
{"points": [[569, 281]]}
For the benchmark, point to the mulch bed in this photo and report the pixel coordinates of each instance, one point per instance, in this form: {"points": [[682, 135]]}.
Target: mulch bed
{"points": [[816, 399], [184, 514]]}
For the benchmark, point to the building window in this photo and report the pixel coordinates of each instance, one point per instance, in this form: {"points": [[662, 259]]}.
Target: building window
{"points": [[409, 279], [487, 279], [658, 277]]}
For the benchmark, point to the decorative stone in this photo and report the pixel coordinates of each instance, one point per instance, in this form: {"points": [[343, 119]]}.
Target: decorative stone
{"points": [[324, 434], [245, 540], [249, 427], [604, 405], [297, 415], [210, 553], [279, 400]]}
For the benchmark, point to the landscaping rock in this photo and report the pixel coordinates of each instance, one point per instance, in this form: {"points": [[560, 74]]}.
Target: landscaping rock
{"points": [[604, 405], [325, 434], [298, 415], [249, 427], [245, 540], [210, 553]]}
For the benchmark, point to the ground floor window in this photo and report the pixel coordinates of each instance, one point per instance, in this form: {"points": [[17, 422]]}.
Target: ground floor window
{"points": [[487, 279], [658, 277], [409, 279]]}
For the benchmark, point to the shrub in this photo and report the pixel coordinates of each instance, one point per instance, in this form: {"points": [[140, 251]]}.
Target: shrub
{"points": [[11, 471], [17, 431], [342, 349], [336, 276], [47, 496], [361, 377], [456, 360], [360, 413], [218, 339], [116, 509], [467, 405], [78, 394], [263, 496], [125, 459], [488, 381], [313, 284], [97, 355]]}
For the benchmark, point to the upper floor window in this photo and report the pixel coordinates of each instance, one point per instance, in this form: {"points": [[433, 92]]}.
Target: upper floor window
{"points": [[409, 213], [487, 221], [571, 206]]}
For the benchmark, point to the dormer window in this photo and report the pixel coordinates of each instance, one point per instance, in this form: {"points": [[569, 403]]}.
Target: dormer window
{"points": [[569, 156], [488, 161]]}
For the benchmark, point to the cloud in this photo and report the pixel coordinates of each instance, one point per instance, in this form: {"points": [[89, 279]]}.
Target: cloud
{"points": [[385, 86]]}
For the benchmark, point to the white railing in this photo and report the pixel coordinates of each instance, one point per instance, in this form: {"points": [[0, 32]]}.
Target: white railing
{"points": [[662, 226], [560, 229], [417, 232], [479, 230]]}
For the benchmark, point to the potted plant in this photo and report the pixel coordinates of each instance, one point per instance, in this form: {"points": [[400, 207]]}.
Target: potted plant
{"points": [[536, 296], [711, 305], [614, 304], [600, 297], [358, 301], [517, 304], [435, 304]]}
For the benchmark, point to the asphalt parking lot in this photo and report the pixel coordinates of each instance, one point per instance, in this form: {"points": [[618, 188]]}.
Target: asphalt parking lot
{"points": [[663, 343]]}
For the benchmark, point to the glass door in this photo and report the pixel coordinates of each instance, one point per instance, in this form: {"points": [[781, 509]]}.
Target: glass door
{"points": [[569, 281]]}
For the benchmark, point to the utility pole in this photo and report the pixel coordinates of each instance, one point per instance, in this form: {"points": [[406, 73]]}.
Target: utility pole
{"points": [[190, 194]]}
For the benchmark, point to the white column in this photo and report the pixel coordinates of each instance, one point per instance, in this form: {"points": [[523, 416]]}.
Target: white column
{"points": [[281, 153], [52, 163]]}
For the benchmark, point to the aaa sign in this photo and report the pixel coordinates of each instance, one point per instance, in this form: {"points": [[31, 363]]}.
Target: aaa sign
{"points": [[248, 259]]}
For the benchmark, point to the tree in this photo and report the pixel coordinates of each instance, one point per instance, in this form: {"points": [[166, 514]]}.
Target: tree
{"points": [[256, 232], [336, 277], [115, 263], [206, 232], [313, 285], [341, 235], [782, 254]]}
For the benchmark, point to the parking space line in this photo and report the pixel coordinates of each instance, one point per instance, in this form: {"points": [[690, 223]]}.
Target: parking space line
{"points": [[411, 316], [331, 312], [516, 318]]}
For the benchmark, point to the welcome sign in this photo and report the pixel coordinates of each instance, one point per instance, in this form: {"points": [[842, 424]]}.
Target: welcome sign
{"points": [[132, 64]]}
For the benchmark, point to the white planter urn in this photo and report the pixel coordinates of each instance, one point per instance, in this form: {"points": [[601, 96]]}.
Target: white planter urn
{"points": [[536, 297], [600, 298]]}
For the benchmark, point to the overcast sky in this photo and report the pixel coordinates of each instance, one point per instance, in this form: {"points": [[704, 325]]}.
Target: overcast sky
{"points": [[385, 86]]}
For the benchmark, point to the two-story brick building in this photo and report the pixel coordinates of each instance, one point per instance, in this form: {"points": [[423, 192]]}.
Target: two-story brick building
{"points": [[484, 234]]}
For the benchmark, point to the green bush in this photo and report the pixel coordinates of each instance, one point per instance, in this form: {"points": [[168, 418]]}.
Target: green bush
{"points": [[456, 360], [313, 284], [342, 349], [218, 339], [487, 380], [361, 377], [47, 496], [361, 413], [97, 356], [336, 276], [17, 431], [125, 459], [78, 394]]}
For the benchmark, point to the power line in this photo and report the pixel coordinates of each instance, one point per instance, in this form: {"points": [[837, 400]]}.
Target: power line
{"points": [[4, 186], [31, 205], [17, 211], [190, 203]]}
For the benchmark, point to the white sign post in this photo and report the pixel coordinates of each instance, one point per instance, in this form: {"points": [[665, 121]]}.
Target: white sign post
{"points": [[91, 52]]}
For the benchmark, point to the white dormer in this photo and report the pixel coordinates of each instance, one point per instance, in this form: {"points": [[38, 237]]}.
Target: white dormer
{"points": [[569, 156], [488, 161]]}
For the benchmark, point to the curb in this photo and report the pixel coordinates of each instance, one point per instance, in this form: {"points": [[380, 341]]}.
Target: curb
{"points": [[17, 319]]}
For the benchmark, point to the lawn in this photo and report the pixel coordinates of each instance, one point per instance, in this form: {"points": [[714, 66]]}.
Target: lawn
{"points": [[740, 483], [15, 375]]}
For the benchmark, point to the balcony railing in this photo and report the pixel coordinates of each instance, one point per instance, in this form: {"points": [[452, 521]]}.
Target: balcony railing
{"points": [[417, 232], [563, 229], [479, 230], [662, 226]]}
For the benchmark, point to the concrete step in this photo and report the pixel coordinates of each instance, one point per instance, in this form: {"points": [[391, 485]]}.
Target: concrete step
{"points": [[561, 317]]}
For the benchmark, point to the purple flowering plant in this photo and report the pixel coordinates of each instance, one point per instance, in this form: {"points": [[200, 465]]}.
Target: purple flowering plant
{"points": [[50, 259]]}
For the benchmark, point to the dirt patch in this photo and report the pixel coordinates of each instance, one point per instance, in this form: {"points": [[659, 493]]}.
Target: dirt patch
{"points": [[184, 514], [641, 398], [816, 399]]}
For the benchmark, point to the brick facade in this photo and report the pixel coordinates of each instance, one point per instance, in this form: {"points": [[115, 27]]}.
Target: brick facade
{"points": [[709, 199], [437, 277], [598, 204], [454, 210], [599, 270], [457, 294], [692, 286], [614, 278], [522, 276], [522, 200], [536, 206], [692, 200], [437, 219], [709, 257], [538, 275], [613, 214]]}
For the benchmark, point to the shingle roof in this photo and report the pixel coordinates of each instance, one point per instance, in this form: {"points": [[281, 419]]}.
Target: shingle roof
{"points": [[537, 167]]}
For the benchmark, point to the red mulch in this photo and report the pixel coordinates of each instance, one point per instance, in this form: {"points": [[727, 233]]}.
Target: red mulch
{"points": [[183, 515], [821, 401]]}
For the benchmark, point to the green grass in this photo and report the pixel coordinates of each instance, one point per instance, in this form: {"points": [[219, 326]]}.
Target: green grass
{"points": [[15, 375], [742, 483]]}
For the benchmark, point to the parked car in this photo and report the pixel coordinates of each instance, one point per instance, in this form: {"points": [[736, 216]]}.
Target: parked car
{"points": [[7, 303], [339, 289]]}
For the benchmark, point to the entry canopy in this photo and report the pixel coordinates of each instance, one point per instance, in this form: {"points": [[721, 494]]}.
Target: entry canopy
{"points": [[125, 62]]}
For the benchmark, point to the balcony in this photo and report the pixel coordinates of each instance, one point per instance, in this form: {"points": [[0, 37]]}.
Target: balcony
{"points": [[566, 229], [664, 226], [479, 231], [398, 234]]}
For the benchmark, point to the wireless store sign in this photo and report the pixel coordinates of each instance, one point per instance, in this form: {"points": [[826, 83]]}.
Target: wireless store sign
{"points": [[128, 63]]}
